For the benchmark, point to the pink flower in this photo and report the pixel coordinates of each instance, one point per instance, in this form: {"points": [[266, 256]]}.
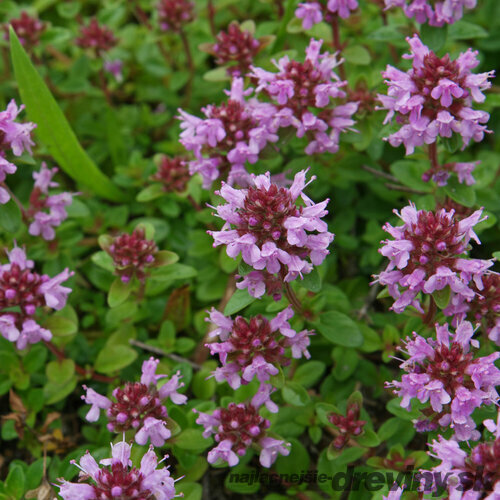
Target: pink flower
{"points": [[446, 374], [271, 448], [434, 98], [138, 405], [310, 13], [434, 13], [271, 232], [427, 255], [118, 478]]}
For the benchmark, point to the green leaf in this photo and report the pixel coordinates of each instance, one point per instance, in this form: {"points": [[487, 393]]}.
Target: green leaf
{"points": [[104, 260], [368, 438], [238, 480], [165, 258], [150, 193], [347, 456], [190, 491], [294, 394], [54, 130], [357, 54], [60, 371], [14, 484], [238, 301], [442, 297], [192, 440], [10, 217], [60, 326], [463, 30], [114, 357], [54, 391], [312, 281], [309, 373], [339, 329], [433, 37], [174, 272], [217, 75], [463, 194], [119, 292]]}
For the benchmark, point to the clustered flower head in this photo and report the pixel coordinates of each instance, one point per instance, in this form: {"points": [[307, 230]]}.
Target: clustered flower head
{"points": [[303, 93], [483, 308], [174, 14], [441, 173], [118, 479], [27, 28], [314, 11], [132, 254], [348, 425], [97, 37], [254, 348], [271, 232], [14, 138], [22, 293], [445, 373], [172, 173], [473, 474], [236, 47], [259, 283], [435, 13], [44, 223], [237, 428], [427, 254], [435, 97], [138, 405], [233, 133]]}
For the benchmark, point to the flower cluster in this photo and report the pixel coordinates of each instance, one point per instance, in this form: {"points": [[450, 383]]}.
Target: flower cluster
{"points": [[236, 47], [270, 231], [14, 137], [255, 348], [427, 255], [435, 97], [348, 425], [172, 173], [231, 135], [97, 37], [138, 405], [483, 308], [44, 223], [473, 474], [132, 254], [119, 479], [174, 14], [314, 11], [298, 89], [445, 373], [237, 428], [435, 13], [27, 28], [22, 293], [441, 173]]}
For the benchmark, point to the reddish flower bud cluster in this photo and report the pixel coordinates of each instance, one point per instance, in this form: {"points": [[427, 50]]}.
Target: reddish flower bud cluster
{"points": [[27, 28], [134, 403], [97, 37], [174, 14], [348, 425], [131, 254], [173, 174], [236, 46]]}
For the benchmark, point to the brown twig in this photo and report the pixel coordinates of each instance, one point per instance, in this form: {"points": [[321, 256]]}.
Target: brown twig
{"points": [[379, 173], [336, 43], [211, 17], [398, 187], [161, 352]]}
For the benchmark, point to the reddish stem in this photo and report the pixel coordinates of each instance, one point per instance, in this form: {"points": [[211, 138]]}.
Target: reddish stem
{"points": [[428, 319], [433, 156], [336, 43], [80, 370], [211, 17], [189, 58]]}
